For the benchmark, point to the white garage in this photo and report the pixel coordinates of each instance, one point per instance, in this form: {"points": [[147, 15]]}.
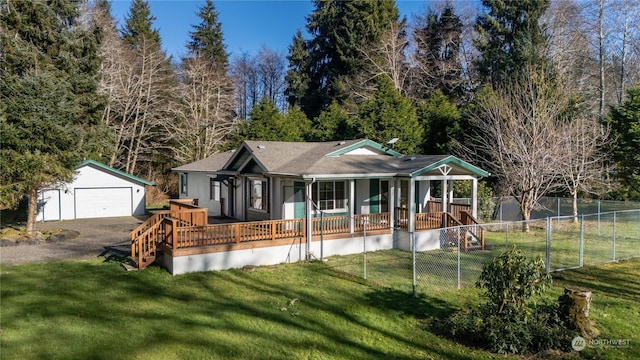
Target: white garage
{"points": [[97, 191]]}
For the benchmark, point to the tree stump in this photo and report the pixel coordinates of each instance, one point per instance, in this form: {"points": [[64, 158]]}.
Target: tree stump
{"points": [[574, 307]]}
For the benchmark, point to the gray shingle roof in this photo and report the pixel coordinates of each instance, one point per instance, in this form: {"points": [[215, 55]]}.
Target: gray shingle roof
{"points": [[210, 164], [309, 159]]}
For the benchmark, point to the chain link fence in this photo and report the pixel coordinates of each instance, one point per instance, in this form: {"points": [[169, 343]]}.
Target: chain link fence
{"points": [[564, 242], [503, 209]]}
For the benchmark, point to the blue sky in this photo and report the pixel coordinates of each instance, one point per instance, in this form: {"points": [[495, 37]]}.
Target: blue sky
{"points": [[246, 24]]}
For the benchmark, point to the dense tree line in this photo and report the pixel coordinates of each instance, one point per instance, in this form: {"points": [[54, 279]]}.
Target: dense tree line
{"points": [[446, 81]]}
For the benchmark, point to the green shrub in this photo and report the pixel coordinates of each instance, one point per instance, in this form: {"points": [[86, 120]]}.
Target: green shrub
{"points": [[508, 322]]}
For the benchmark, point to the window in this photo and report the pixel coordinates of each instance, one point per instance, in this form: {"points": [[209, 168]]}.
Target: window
{"points": [[258, 188], [329, 195], [183, 184], [214, 190]]}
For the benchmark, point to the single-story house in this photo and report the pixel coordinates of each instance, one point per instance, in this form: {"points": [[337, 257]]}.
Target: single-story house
{"points": [[298, 200], [96, 191]]}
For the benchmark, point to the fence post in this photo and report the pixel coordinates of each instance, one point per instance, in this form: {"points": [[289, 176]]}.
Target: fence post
{"points": [[413, 260], [506, 238], [459, 229], [614, 235], [598, 217], [558, 201], [582, 240], [322, 239], [548, 246], [364, 246]]}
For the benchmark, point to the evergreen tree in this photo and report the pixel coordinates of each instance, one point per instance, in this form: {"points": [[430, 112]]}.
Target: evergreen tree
{"points": [[138, 26], [390, 115], [297, 77], [510, 37], [48, 91], [437, 55], [333, 124], [269, 124], [207, 39], [625, 130], [441, 120], [339, 30]]}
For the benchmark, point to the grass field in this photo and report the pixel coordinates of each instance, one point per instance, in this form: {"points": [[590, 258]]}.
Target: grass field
{"points": [[94, 309]]}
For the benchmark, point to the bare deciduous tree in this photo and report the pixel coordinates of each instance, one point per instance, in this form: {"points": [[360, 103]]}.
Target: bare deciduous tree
{"points": [[518, 138], [584, 165], [204, 114], [256, 77]]}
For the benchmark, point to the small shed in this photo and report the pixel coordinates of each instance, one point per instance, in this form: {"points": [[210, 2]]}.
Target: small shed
{"points": [[97, 191]]}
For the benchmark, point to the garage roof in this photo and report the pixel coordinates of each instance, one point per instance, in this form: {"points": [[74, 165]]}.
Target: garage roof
{"points": [[115, 172]]}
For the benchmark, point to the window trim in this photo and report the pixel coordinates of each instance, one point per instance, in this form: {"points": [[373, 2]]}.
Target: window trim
{"points": [[184, 189], [215, 189], [264, 196], [315, 196]]}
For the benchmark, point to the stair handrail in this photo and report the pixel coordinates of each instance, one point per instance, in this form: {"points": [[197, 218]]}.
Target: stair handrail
{"points": [[141, 250], [469, 220]]}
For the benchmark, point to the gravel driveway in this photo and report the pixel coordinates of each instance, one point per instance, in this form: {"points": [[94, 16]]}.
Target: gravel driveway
{"points": [[98, 237]]}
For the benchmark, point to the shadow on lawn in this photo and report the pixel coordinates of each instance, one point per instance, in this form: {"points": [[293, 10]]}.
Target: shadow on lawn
{"points": [[293, 310], [606, 280], [420, 306]]}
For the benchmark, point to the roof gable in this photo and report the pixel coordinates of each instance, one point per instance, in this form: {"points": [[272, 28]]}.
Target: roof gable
{"points": [[373, 147], [453, 162], [114, 171]]}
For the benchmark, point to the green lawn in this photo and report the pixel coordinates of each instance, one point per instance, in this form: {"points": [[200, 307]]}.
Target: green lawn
{"points": [[94, 309]]}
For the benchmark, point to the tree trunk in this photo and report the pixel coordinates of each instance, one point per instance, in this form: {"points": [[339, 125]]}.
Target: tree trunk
{"points": [[32, 212], [601, 57], [574, 308], [575, 207], [526, 216]]}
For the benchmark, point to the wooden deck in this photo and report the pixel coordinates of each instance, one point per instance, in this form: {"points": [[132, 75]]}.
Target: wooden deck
{"points": [[184, 230]]}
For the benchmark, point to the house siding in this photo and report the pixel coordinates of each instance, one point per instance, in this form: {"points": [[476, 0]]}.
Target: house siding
{"points": [[198, 187]]}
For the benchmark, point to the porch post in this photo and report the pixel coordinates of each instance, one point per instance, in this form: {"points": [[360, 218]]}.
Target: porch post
{"points": [[411, 206], [450, 191], [352, 192], [444, 194], [474, 197], [308, 211], [392, 203]]}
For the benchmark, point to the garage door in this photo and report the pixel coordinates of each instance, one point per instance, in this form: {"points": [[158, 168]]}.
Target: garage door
{"points": [[103, 202]]}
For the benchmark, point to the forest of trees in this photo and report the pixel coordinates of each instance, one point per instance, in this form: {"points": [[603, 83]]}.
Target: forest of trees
{"points": [[543, 94]]}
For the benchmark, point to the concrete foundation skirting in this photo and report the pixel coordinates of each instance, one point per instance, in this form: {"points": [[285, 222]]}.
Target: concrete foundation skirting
{"points": [[425, 240], [275, 254]]}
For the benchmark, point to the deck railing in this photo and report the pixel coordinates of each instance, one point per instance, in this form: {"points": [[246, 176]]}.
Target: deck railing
{"points": [[428, 221], [186, 227], [456, 209], [235, 233], [378, 221], [330, 225]]}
